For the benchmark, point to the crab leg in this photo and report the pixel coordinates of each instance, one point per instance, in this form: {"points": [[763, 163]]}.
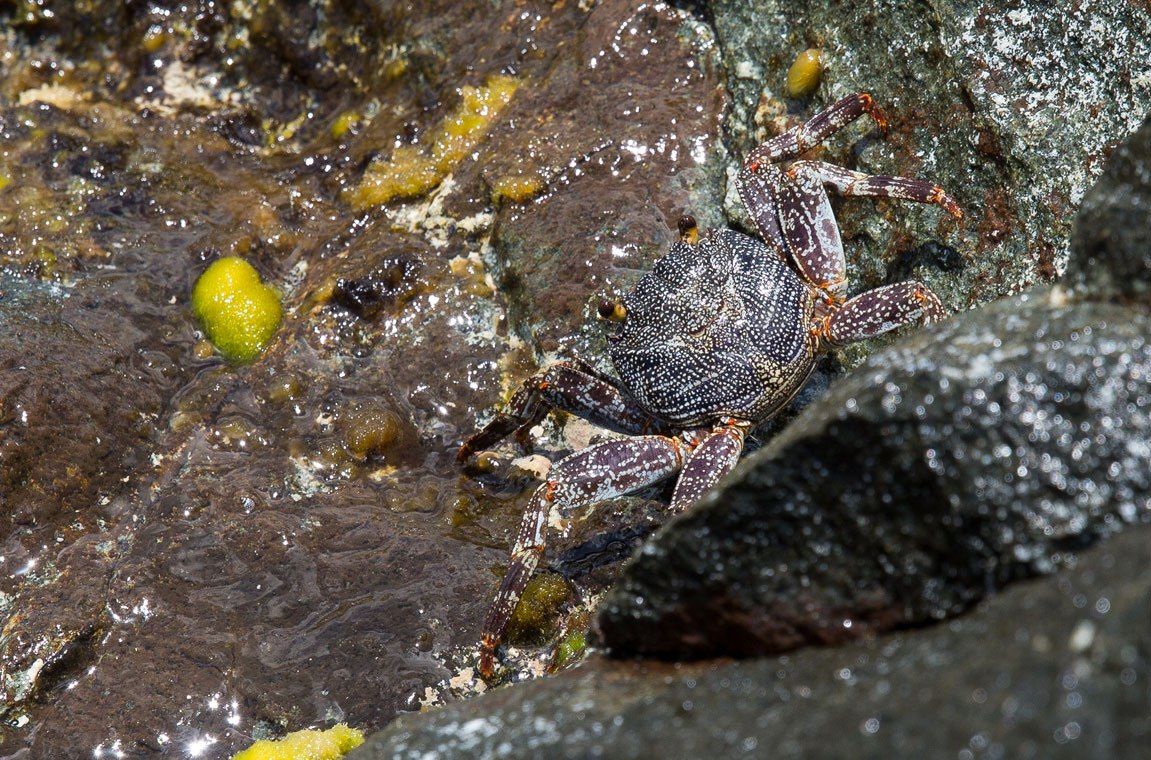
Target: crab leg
{"points": [[818, 128], [850, 183], [608, 469], [877, 311], [714, 457], [572, 386]]}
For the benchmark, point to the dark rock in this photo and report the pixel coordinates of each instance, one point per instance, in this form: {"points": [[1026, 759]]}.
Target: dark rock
{"points": [[982, 451], [1112, 253], [1056, 668]]}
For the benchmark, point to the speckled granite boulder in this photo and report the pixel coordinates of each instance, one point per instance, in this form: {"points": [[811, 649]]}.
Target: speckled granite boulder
{"points": [[1013, 107]]}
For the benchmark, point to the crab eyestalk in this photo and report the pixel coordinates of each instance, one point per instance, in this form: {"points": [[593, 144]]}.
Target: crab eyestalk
{"points": [[688, 229], [612, 311]]}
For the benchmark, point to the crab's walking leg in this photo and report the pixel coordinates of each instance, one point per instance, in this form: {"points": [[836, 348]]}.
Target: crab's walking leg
{"points": [[713, 458], [877, 311], [608, 469], [815, 130], [847, 182], [572, 386]]}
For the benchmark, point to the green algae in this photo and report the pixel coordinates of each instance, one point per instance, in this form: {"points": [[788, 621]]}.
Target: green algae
{"points": [[238, 311], [535, 616], [413, 171], [306, 745], [570, 648]]}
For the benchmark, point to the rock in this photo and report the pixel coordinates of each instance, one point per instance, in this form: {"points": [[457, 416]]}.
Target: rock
{"points": [[1012, 107], [1055, 668], [1113, 231], [625, 131], [981, 451]]}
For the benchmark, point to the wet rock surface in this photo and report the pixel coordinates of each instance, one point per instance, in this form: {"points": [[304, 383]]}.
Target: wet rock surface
{"points": [[1113, 232], [969, 456], [194, 553], [197, 553], [1057, 667]]}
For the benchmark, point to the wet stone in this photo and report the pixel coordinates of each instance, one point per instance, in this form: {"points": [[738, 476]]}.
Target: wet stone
{"points": [[624, 129], [975, 453], [1053, 668], [1113, 231]]}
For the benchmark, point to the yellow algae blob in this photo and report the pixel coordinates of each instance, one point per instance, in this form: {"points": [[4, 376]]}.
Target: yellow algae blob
{"points": [[414, 170], [153, 39], [238, 311], [517, 187], [344, 123], [803, 76], [306, 745]]}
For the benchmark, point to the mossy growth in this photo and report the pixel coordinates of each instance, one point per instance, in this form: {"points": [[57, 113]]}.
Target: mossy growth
{"points": [[805, 72], [535, 617], [238, 311], [570, 649], [306, 745], [414, 170]]}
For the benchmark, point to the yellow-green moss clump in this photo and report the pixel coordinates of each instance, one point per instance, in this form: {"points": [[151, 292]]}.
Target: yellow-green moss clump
{"points": [[414, 170], [238, 311], [803, 76], [570, 648], [535, 616], [306, 745]]}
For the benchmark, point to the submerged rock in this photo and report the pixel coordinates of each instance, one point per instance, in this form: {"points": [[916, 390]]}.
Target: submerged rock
{"points": [[1055, 668], [972, 454]]}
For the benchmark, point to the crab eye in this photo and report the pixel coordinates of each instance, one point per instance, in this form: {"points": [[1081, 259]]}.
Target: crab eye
{"points": [[688, 229], [612, 311]]}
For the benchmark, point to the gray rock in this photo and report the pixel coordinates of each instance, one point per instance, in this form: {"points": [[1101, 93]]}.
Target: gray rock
{"points": [[985, 450], [1112, 252], [1055, 668], [1012, 107]]}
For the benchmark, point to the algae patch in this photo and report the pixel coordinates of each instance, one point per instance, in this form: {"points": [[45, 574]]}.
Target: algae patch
{"points": [[804, 75], [413, 170], [537, 613], [517, 188], [306, 745], [238, 311]]}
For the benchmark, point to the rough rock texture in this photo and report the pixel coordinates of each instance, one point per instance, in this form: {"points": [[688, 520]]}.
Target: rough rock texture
{"points": [[966, 457], [1011, 106], [1055, 668], [1113, 232]]}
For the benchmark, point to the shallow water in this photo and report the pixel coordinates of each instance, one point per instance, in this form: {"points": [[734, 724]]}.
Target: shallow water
{"points": [[196, 554]]}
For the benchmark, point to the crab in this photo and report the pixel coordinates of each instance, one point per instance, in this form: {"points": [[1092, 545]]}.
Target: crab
{"points": [[717, 338]]}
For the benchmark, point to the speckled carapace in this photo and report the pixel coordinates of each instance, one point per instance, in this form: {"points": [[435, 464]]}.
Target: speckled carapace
{"points": [[716, 338]]}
